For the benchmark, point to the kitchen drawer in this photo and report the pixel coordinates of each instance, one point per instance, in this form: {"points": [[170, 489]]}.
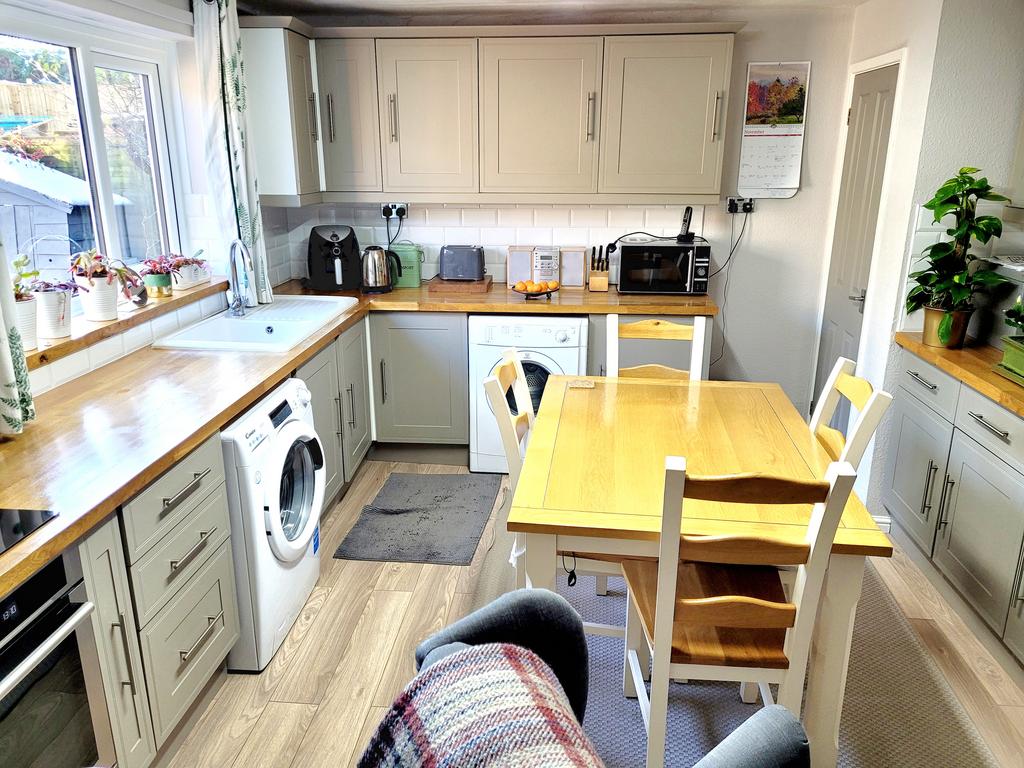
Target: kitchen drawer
{"points": [[171, 498], [189, 640], [935, 388], [996, 428], [173, 561]]}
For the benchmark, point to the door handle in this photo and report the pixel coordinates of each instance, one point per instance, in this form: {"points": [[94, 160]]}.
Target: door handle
{"points": [[352, 405], [123, 627], [859, 298], [393, 116], [714, 116], [330, 116], [926, 500], [204, 537], [922, 381], [341, 416], [314, 129], [39, 653], [186, 656], [173, 501], [947, 488], [1001, 434], [383, 381], [591, 117]]}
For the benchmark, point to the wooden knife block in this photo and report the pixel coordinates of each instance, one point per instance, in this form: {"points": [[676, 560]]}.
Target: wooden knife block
{"points": [[597, 281]]}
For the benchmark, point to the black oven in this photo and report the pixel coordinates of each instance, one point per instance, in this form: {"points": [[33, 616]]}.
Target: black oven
{"points": [[664, 266]]}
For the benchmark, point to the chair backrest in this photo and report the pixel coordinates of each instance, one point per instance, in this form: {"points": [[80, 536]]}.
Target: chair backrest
{"points": [[661, 330], [811, 555], [870, 405], [514, 428]]}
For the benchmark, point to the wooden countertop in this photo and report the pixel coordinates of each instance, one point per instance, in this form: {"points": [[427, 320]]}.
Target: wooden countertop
{"points": [[973, 366], [103, 437]]}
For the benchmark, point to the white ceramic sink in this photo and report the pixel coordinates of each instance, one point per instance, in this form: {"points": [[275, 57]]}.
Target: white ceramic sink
{"points": [[276, 327]]}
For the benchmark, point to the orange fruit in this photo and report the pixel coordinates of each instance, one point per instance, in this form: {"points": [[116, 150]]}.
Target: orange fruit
{"points": [[520, 286], [552, 285]]}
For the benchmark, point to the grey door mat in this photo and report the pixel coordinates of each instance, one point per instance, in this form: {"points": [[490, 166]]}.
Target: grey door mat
{"points": [[423, 519]]}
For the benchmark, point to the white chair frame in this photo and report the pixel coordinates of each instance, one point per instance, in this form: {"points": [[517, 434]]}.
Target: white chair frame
{"points": [[871, 406], [695, 333]]}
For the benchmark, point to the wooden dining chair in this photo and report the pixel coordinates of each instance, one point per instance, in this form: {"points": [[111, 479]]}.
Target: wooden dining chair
{"points": [[514, 429], [870, 405], [713, 607], [659, 330]]}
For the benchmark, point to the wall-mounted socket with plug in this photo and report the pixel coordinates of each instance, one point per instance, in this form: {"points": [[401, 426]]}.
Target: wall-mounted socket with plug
{"points": [[394, 210], [740, 205]]}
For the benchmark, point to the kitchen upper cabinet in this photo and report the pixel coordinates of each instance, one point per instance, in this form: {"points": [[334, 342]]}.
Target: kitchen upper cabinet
{"points": [[284, 110], [978, 546], [539, 102], [321, 377], [664, 111], [427, 94], [117, 642], [420, 370], [349, 125], [915, 467], [355, 397]]}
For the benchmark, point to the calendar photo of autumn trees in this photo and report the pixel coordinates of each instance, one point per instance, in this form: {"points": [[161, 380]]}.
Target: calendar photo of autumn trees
{"points": [[776, 93]]}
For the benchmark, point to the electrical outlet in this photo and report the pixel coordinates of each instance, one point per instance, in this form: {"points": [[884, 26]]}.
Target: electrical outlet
{"points": [[394, 210], [740, 205]]}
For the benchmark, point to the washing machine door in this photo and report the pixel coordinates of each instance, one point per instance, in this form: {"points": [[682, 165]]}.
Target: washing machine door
{"points": [[538, 367], [293, 504]]}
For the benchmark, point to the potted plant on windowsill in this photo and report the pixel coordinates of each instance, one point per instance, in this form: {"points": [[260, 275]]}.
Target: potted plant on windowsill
{"points": [[100, 280], [157, 274], [946, 288], [53, 305], [190, 271], [24, 301]]}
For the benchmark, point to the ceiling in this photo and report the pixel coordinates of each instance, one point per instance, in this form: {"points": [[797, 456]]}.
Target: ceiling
{"points": [[512, 11]]}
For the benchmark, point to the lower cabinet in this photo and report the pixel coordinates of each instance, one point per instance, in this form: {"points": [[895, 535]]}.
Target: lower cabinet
{"points": [[915, 467], [981, 526], [117, 643], [355, 397], [321, 378], [420, 369], [1013, 635]]}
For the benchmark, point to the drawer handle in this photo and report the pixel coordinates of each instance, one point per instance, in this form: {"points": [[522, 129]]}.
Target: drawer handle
{"points": [[204, 537], [186, 656], [921, 380], [1001, 434], [184, 493], [352, 405], [123, 627]]}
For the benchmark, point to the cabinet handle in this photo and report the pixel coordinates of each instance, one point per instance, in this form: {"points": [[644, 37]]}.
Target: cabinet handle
{"points": [[947, 487], [330, 116], [314, 129], [204, 536], [173, 501], [186, 656], [383, 381], [1002, 435], [1020, 589], [341, 416], [352, 405], [714, 117], [393, 116], [591, 117], [123, 627], [921, 380], [926, 501]]}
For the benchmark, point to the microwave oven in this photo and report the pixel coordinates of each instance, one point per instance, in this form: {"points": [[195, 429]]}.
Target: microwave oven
{"points": [[664, 266]]}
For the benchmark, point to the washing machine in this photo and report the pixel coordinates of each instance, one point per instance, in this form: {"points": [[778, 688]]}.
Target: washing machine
{"points": [[548, 345], [275, 479]]}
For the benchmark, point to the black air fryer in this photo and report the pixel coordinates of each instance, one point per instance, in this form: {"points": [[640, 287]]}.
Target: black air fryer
{"points": [[334, 262]]}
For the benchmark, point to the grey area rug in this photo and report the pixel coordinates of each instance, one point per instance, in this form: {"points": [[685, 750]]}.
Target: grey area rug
{"points": [[898, 711], [423, 519]]}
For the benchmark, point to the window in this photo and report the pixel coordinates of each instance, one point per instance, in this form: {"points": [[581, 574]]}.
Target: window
{"points": [[84, 150]]}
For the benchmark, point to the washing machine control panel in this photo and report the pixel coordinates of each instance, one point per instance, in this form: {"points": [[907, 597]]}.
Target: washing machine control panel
{"points": [[525, 337], [254, 436]]}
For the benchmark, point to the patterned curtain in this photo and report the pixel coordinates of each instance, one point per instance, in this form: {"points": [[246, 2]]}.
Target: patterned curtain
{"points": [[15, 394], [231, 162]]}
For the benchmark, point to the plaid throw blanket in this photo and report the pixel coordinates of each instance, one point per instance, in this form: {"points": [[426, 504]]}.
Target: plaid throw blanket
{"points": [[484, 707]]}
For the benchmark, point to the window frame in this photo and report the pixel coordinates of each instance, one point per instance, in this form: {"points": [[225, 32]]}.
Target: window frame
{"points": [[91, 46]]}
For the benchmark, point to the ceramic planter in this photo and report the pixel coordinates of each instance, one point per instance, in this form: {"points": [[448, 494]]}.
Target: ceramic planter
{"points": [[99, 300], [158, 286], [25, 320], [191, 276], [958, 333], [53, 314], [1013, 354]]}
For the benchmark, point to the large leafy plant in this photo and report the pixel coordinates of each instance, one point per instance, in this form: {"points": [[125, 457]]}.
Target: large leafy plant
{"points": [[1015, 316], [953, 275]]}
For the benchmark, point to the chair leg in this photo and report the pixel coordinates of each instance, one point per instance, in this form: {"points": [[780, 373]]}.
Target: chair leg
{"points": [[518, 561], [635, 641], [749, 693], [602, 585], [791, 693], [658, 720]]}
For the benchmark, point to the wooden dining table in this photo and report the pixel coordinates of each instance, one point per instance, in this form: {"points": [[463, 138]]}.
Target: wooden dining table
{"points": [[593, 481]]}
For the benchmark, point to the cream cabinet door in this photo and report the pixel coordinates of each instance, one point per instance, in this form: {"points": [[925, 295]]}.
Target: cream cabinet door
{"points": [[427, 92], [538, 114], [664, 113], [304, 112], [349, 128]]}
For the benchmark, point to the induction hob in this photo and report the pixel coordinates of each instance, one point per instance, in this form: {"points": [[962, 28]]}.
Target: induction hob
{"points": [[16, 524]]}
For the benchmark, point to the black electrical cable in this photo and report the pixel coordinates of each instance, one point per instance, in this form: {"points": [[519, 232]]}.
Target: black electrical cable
{"points": [[612, 247], [725, 291], [398, 232], [732, 248]]}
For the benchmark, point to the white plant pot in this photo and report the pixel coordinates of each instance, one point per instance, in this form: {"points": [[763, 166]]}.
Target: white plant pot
{"points": [[25, 320], [99, 300], [53, 314], [190, 277]]}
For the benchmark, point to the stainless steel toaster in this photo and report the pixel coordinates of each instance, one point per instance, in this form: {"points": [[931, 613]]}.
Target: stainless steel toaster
{"points": [[462, 262]]}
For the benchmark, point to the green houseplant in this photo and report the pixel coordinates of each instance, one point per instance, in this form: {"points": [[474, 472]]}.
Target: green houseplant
{"points": [[99, 280], [24, 301], [947, 286], [157, 273], [1012, 364]]}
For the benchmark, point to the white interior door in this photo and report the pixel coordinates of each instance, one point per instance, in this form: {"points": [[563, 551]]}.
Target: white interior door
{"points": [[867, 144]]}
